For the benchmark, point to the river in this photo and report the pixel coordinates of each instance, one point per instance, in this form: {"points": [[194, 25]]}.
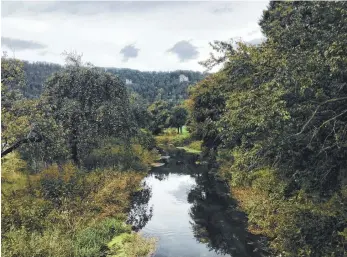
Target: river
{"points": [[189, 210]]}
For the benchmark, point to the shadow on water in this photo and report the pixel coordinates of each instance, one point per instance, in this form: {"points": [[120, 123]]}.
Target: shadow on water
{"points": [[214, 220], [140, 213]]}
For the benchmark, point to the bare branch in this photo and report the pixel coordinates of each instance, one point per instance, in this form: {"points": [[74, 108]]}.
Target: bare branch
{"points": [[314, 113]]}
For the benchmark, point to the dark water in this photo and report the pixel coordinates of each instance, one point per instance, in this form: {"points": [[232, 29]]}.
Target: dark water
{"points": [[191, 213]]}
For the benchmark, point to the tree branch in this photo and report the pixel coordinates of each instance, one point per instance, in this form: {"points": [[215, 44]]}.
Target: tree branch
{"points": [[314, 113], [36, 138]]}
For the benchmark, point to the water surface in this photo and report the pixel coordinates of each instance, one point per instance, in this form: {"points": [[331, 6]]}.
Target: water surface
{"points": [[191, 213]]}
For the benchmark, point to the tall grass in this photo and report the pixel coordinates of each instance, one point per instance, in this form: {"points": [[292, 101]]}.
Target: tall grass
{"points": [[67, 211]]}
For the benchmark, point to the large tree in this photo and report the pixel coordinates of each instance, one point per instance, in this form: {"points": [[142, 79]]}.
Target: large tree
{"points": [[178, 118], [279, 119], [90, 104], [159, 115]]}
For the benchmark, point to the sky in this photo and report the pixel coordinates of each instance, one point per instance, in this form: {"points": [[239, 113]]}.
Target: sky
{"points": [[142, 35]]}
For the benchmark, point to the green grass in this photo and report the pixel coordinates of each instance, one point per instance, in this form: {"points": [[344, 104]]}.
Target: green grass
{"points": [[170, 136], [36, 226], [189, 150], [131, 245], [193, 147]]}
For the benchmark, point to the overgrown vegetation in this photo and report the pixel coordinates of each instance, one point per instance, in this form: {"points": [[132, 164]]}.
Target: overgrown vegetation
{"points": [[71, 161], [275, 118], [170, 136], [75, 148]]}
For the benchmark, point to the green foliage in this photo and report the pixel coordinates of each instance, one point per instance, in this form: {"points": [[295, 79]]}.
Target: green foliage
{"points": [[196, 145], [89, 104], [49, 243], [193, 147], [50, 205], [139, 107], [110, 153], [178, 117], [146, 139], [36, 74], [277, 115], [150, 86], [160, 116], [12, 81], [27, 123], [83, 210], [93, 240], [131, 245], [170, 136]]}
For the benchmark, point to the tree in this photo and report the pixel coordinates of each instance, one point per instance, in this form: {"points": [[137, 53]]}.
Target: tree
{"points": [[276, 114], [160, 116], [151, 86], [178, 118], [89, 104], [17, 118], [139, 109], [207, 104]]}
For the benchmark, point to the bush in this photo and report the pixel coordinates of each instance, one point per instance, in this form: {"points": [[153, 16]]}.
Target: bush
{"points": [[146, 139], [131, 157], [63, 210], [60, 182], [93, 240], [297, 226], [195, 145], [136, 245], [50, 243]]}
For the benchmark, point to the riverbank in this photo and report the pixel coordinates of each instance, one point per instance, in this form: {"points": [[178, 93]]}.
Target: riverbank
{"points": [[193, 213], [170, 138], [295, 225], [77, 212]]}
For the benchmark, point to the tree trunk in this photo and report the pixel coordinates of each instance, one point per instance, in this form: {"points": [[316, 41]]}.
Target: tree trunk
{"points": [[178, 130]]}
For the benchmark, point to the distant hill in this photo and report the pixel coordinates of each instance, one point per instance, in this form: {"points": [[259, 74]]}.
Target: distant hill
{"points": [[168, 86]]}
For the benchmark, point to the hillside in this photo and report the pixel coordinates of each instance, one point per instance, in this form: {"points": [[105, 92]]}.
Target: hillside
{"points": [[168, 86]]}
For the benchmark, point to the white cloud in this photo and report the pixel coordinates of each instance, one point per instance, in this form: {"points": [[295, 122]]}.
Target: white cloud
{"points": [[101, 29]]}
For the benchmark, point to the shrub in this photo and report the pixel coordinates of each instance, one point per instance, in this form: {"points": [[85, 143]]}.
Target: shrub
{"points": [[50, 243], [93, 240], [131, 157]]}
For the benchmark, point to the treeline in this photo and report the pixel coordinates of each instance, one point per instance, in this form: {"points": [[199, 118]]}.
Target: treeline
{"points": [[275, 118], [71, 160], [151, 86]]}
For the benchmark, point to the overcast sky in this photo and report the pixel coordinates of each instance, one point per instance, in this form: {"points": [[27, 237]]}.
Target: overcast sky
{"points": [[139, 35]]}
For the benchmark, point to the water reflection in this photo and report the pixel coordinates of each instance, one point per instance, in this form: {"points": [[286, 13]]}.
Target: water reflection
{"points": [[193, 213], [216, 221], [140, 212]]}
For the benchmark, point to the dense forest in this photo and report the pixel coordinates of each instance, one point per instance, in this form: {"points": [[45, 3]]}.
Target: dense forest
{"points": [[151, 86], [272, 123], [275, 119]]}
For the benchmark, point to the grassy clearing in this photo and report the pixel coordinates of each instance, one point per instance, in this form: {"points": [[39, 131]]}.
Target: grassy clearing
{"points": [[171, 137]]}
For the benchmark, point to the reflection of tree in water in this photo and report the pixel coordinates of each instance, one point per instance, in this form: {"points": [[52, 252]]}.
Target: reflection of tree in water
{"points": [[216, 222], [140, 213]]}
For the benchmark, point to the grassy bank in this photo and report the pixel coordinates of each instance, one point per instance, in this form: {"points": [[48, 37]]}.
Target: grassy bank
{"points": [[68, 211], [170, 137], [299, 225]]}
